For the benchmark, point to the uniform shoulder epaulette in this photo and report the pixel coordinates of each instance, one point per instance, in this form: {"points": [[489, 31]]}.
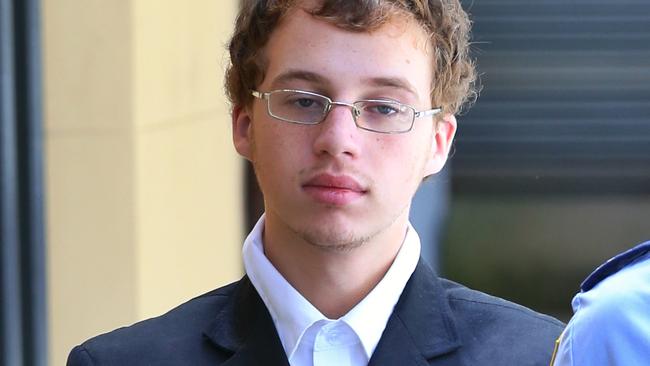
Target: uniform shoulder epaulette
{"points": [[614, 265]]}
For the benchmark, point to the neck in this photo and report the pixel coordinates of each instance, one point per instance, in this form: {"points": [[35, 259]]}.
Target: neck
{"points": [[334, 281]]}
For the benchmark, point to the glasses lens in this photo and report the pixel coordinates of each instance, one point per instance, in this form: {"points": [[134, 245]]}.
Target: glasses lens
{"points": [[298, 107], [384, 116]]}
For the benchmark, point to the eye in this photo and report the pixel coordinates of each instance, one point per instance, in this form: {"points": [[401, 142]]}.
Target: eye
{"points": [[383, 109], [304, 102]]}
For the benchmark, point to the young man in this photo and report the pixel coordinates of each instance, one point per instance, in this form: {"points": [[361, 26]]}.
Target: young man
{"points": [[611, 324], [343, 108]]}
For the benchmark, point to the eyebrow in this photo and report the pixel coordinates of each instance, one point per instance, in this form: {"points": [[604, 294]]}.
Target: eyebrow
{"points": [[392, 82], [299, 75], [304, 75]]}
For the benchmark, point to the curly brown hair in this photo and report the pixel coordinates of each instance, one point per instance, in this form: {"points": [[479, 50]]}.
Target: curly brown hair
{"points": [[447, 24]]}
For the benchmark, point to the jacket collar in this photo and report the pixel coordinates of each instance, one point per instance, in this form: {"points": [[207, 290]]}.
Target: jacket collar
{"points": [[244, 328], [421, 327]]}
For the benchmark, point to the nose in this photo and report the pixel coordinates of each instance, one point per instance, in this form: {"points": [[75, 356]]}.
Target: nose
{"points": [[338, 135]]}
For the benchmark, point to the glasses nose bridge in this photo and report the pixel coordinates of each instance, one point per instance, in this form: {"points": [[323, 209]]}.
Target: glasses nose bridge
{"points": [[353, 108]]}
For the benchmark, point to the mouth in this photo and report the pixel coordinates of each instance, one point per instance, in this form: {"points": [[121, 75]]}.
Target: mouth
{"points": [[334, 190]]}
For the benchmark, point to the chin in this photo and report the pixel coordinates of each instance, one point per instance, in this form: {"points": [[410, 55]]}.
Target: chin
{"points": [[333, 238]]}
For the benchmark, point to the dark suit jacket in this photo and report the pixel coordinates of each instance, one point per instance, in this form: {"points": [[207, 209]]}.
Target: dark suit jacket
{"points": [[435, 322]]}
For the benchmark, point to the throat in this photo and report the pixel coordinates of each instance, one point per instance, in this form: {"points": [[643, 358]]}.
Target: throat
{"points": [[334, 280], [333, 275]]}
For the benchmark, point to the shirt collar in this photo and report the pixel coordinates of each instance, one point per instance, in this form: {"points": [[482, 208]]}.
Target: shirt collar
{"points": [[369, 317], [292, 314]]}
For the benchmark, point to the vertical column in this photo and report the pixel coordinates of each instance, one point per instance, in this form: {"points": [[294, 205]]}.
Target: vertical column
{"points": [[11, 348], [144, 197], [188, 180], [90, 169], [22, 277]]}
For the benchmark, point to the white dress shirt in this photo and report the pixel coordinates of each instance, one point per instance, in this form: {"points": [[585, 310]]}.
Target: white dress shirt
{"points": [[308, 337]]}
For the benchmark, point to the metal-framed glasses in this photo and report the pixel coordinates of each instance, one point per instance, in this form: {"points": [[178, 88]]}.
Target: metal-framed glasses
{"points": [[307, 108]]}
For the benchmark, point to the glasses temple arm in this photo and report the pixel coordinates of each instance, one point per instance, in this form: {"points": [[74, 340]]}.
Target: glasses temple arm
{"points": [[427, 113]]}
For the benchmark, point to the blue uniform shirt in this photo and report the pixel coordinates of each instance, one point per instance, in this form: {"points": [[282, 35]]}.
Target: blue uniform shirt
{"points": [[611, 321]]}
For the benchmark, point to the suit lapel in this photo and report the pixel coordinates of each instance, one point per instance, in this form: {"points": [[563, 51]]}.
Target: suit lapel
{"points": [[245, 329], [421, 330]]}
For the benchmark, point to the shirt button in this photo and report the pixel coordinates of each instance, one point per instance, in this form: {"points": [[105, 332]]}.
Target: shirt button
{"points": [[332, 336]]}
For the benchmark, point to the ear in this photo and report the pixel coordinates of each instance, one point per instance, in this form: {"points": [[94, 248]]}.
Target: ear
{"points": [[443, 136], [242, 131]]}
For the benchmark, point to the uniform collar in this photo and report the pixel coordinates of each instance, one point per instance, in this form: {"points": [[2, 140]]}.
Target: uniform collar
{"points": [[614, 265]]}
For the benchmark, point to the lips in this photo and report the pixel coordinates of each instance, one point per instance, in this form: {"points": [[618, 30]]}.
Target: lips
{"points": [[336, 190]]}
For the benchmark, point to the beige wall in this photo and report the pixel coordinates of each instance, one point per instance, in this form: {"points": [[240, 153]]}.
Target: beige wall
{"points": [[143, 187]]}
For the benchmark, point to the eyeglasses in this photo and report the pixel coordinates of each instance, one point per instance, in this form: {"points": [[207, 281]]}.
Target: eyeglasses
{"points": [[307, 108]]}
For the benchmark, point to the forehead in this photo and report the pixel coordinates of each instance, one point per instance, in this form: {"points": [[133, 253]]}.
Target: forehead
{"points": [[399, 49]]}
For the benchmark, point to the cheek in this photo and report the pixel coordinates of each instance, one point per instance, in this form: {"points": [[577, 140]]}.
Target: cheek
{"points": [[267, 141], [404, 159], [276, 153]]}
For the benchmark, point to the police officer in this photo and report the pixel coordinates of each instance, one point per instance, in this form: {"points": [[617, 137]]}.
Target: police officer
{"points": [[611, 321]]}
